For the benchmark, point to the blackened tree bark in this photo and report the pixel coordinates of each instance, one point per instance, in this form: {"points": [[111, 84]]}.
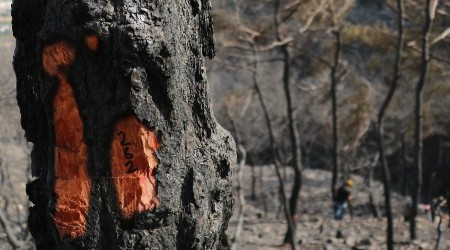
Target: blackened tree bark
{"points": [[253, 184], [334, 107], [284, 200], [384, 165], [110, 91], [404, 164], [429, 16], [294, 139]]}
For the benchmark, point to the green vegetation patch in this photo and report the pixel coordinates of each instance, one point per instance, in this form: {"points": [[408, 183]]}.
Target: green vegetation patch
{"points": [[376, 37]]}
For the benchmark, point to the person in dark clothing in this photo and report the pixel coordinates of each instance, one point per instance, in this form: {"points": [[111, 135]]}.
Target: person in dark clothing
{"points": [[342, 200]]}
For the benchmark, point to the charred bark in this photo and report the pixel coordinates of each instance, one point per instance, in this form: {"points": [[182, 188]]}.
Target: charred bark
{"points": [[294, 139], [334, 104], [335, 122], [127, 153], [284, 200], [418, 138], [386, 172], [404, 164]]}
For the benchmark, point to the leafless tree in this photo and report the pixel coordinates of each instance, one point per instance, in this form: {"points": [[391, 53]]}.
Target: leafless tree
{"points": [[384, 165], [430, 9], [290, 235], [334, 106], [294, 144], [235, 110]]}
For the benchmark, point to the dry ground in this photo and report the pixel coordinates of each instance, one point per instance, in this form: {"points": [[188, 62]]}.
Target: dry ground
{"points": [[316, 228]]}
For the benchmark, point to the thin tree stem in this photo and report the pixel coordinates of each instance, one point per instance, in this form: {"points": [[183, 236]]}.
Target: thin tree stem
{"points": [[384, 165], [291, 228], [419, 116]]}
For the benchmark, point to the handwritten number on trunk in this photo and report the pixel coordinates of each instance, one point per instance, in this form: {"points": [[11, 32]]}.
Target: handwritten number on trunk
{"points": [[129, 156]]}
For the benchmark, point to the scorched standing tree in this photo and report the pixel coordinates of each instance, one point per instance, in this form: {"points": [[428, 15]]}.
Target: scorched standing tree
{"points": [[127, 153]]}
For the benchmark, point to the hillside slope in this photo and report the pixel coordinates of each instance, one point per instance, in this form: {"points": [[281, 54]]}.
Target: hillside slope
{"points": [[317, 229]]}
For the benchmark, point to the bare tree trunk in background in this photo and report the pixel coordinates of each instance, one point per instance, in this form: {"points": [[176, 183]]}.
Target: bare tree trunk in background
{"points": [[127, 153], [334, 82], [372, 204], [241, 212], [263, 193], [436, 169], [296, 155], [384, 165], [439, 233], [429, 16], [240, 182], [448, 198], [284, 200], [404, 163], [253, 185]]}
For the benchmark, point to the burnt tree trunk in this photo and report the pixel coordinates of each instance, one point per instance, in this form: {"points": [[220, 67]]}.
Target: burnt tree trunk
{"points": [[127, 153], [294, 138], [404, 164], [334, 104], [284, 200], [418, 136], [385, 169]]}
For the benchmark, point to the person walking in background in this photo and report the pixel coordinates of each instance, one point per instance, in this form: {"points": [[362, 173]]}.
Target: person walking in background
{"points": [[439, 207], [342, 199]]}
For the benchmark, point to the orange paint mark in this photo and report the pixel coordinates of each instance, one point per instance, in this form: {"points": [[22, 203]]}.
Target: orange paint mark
{"points": [[72, 184], [134, 163], [92, 42], [56, 58]]}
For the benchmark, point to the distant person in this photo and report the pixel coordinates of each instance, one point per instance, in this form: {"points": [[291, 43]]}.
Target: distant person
{"points": [[342, 199], [438, 208]]}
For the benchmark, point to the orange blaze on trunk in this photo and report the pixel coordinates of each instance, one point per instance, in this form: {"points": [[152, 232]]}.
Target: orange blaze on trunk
{"points": [[92, 42], [134, 163], [72, 184]]}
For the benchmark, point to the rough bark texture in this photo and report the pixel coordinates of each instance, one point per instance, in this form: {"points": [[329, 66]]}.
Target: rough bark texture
{"points": [[114, 61]]}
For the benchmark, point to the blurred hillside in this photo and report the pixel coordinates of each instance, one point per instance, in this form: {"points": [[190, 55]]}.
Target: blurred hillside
{"points": [[369, 33], [250, 54]]}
